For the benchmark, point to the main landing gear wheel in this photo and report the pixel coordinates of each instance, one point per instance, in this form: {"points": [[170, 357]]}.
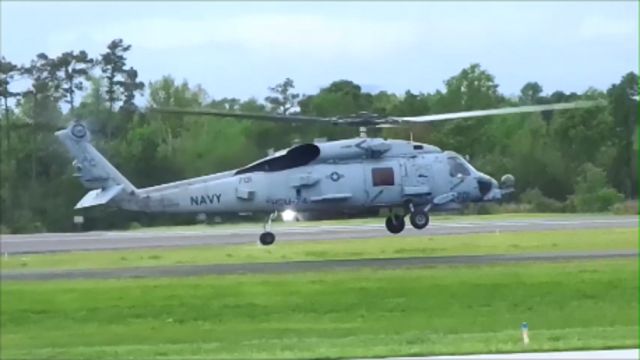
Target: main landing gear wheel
{"points": [[394, 224], [267, 238], [419, 219]]}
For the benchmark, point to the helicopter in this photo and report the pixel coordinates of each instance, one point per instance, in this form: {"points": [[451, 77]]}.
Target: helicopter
{"points": [[395, 177]]}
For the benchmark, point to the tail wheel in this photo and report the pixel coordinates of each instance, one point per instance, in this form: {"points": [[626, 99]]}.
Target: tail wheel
{"points": [[419, 219], [395, 224], [267, 238]]}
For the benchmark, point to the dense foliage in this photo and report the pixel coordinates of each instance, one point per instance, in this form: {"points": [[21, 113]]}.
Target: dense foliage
{"points": [[578, 160]]}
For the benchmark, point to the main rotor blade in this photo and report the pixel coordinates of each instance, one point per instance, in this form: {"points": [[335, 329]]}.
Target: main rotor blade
{"points": [[242, 115], [33, 126], [501, 111]]}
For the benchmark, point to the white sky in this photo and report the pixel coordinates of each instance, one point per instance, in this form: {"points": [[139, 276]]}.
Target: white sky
{"points": [[240, 48]]}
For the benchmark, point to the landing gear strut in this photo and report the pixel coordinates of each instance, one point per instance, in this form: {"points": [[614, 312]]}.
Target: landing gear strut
{"points": [[267, 237], [395, 223]]}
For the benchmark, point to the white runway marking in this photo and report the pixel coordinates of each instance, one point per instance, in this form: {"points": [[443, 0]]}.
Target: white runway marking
{"points": [[623, 354]]}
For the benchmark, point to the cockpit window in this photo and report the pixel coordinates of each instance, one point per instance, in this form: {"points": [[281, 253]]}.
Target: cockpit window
{"points": [[457, 167]]}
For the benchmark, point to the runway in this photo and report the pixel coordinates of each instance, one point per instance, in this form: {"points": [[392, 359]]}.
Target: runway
{"points": [[109, 240], [304, 266]]}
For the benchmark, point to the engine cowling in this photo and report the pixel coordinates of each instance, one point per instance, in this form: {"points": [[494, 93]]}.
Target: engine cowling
{"points": [[353, 149]]}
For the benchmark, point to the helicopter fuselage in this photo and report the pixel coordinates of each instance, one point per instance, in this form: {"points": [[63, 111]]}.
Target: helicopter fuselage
{"points": [[300, 179], [346, 176]]}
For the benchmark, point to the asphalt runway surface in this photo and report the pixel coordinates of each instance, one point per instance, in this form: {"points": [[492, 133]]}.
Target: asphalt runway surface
{"points": [[306, 266], [110, 240]]}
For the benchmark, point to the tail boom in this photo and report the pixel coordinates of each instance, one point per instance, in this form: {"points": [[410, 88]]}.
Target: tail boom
{"points": [[92, 169]]}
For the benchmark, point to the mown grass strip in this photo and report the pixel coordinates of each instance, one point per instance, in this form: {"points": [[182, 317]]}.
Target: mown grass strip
{"points": [[448, 310], [473, 244]]}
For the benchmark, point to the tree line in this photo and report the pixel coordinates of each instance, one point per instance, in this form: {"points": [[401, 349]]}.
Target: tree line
{"points": [[577, 160]]}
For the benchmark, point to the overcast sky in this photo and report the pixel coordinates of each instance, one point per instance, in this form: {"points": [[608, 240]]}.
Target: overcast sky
{"points": [[240, 48]]}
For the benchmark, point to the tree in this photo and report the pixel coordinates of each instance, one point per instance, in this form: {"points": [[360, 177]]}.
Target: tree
{"points": [[34, 161], [130, 86], [593, 193], [94, 108], [624, 110], [8, 72], [75, 68], [167, 93], [229, 104], [342, 97], [530, 93], [578, 133], [112, 65], [46, 84], [473, 88], [412, 105], [252, 105], [384, 103], [283, 99]]}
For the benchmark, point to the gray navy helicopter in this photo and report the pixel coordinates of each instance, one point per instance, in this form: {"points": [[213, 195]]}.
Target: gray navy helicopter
{"points": [[394, 177]]}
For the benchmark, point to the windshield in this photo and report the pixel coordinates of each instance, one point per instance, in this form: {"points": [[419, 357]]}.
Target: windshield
{"points": [[457, 166]]}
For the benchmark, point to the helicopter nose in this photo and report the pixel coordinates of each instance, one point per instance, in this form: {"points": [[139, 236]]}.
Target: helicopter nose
{"points": [[485, 185]]}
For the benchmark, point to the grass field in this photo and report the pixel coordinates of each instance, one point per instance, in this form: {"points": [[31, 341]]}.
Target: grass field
{"points": [[444, 310], [476, 244]]}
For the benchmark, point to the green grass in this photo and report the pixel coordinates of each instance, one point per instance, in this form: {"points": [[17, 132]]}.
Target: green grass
{"points": [[502, 243], [443, 310], [446, 218]]}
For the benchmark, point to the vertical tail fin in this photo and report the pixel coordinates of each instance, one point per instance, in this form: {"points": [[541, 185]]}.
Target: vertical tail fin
{"points": [[93, 170]]}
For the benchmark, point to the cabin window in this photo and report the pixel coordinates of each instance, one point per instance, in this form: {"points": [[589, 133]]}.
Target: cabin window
{"points": [[457, 167], [418, 147], [382, 176]]}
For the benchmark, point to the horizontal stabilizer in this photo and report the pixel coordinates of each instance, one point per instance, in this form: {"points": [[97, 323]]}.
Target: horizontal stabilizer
{"points": [[99, 196]]}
